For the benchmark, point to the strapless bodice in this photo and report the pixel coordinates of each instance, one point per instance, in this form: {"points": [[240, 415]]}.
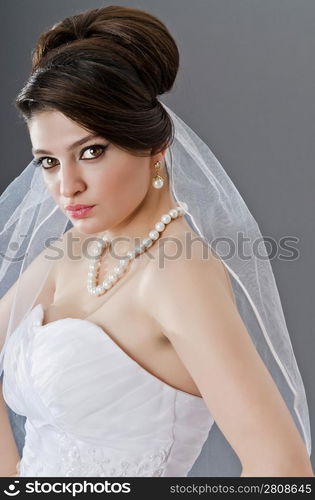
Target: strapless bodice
{"points": [[92, 410]]}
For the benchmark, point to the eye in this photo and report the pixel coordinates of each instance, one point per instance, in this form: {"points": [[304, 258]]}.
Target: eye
{"points": [[39, 162], [93, 148]]}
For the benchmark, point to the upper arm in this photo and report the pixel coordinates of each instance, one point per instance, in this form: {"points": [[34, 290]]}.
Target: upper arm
{"points": [[202, 322], [9, 455]]}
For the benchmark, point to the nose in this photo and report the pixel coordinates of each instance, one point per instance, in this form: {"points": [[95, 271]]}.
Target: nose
{"points": [[71, 181]]}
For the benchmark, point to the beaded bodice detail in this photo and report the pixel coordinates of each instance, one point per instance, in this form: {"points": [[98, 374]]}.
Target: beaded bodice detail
{"points": [[91, 410]]}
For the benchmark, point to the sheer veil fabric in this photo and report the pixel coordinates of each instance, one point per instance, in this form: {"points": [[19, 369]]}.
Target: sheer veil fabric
{"points": [[30, 221]]}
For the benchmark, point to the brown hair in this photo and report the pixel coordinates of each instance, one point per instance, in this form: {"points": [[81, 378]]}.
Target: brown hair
{"points": [[104, 68]]}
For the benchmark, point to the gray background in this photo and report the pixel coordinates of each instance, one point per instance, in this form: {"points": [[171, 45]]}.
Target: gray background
{"points": [[246, 86]]}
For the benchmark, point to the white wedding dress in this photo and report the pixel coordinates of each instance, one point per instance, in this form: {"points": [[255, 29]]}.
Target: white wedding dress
{"points": [[91, 410]]}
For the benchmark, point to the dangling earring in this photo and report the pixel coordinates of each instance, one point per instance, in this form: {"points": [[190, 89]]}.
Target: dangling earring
{"points": [[157, 180]]}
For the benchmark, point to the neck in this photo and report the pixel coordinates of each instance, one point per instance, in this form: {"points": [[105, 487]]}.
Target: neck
{"points": [[129, 233]]}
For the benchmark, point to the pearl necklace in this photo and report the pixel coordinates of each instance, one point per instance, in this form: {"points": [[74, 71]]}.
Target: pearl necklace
{"points": [[93, 287]]}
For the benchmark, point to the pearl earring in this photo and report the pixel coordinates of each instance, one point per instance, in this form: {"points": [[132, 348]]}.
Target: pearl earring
{"points": [[157, 180]]}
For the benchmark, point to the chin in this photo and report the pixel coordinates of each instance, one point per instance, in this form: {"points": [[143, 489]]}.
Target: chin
{"points": [[86, 226]]}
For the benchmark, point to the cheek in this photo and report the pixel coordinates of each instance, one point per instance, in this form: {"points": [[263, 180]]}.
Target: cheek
{"points": [[127, 185], [51, 185]]}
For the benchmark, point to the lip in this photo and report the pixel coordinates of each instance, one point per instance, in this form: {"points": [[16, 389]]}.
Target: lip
{"points": [[77, 207], [81, 212]]}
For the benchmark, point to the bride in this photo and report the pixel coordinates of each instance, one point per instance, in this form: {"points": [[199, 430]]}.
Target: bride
{"points": [[133, 338]]}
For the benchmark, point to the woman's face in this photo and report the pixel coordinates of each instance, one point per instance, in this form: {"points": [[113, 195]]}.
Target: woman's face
{"points": [[94, 172]]}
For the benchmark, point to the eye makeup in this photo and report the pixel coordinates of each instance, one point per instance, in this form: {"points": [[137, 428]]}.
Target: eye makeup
{"points": [[39, 161]]}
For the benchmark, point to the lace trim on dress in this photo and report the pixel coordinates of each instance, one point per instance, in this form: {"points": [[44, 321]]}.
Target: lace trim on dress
{"points": [[94, 461]]}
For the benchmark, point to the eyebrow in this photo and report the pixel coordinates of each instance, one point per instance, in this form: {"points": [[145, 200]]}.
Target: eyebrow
{"points": [[69, 148]]}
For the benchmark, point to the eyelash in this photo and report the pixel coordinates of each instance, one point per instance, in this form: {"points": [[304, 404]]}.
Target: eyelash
{"points": [[38, 162]]}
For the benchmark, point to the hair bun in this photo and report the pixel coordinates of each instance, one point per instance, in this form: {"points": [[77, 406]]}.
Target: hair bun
{"points": [[133, 34]]}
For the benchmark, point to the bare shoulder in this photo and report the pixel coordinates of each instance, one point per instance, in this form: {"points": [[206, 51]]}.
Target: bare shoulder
{"points": [[50, 261], [57, 252], [34, 273], [184, 262]]}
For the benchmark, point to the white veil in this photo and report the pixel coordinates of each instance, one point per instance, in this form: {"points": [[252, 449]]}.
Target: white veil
{"points": [[29, 220]]}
